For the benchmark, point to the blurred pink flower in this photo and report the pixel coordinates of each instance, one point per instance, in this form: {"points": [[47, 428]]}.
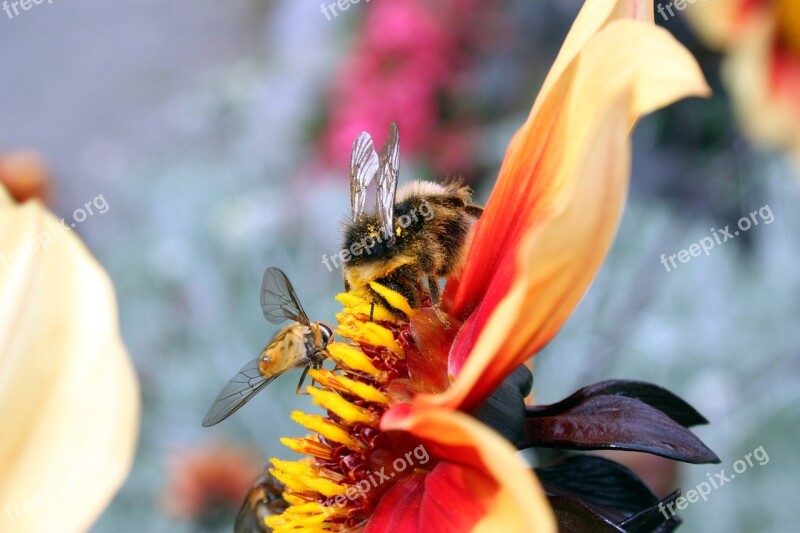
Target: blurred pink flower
{"points": [[406, 55]]}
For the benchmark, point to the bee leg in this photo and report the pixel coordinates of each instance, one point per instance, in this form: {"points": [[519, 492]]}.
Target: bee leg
{"points": [[298, 390], [372, 312], [474, 211], [433, 290]]}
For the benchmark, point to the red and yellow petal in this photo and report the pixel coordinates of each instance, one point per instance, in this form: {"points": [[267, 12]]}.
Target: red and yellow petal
{"points": [[522, 194], [562, 198], [476, 484]]}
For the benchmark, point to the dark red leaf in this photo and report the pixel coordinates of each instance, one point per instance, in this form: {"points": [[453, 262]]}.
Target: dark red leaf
{"points": [[573, 516], [657, 397], [656, 518], [597, 487], [613, 422], [599, 481]]}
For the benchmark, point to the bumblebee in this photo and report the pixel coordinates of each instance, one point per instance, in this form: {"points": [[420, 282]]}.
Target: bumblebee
{"points": [[264, 499], [300, 344], [415, 236]]}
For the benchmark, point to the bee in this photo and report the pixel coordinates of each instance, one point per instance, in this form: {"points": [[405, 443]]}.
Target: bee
{"points": [[300, 344], [417, 234], [264, 499]]}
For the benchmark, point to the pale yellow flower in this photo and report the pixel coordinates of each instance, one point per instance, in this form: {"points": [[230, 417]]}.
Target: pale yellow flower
{"points": [[761, 40], [69, 396]]}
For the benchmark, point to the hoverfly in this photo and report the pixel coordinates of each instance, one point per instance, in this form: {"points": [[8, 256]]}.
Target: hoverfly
{"points": [[396, 247], [300, 344], [264, 499]]}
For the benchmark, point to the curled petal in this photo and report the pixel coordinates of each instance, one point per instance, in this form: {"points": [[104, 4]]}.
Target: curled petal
{"points": [[68, 392], [477, 483], [500, 225], [558, 201]]}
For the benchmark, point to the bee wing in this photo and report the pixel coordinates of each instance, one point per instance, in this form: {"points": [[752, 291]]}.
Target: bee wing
{"points": [[243, 386], [363, 167], [264, 499], [278, 299], [246, 520], [389, 171]]}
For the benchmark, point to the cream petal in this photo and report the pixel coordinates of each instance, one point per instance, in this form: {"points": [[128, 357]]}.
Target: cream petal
{"points": [[68, 393]]}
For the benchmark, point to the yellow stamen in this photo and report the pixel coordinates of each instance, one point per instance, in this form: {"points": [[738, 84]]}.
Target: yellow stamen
{"points": [[300, 477], [291, 499], [327, 429], [295, 524], [361, 302], [349, 413], [368, 333], [393, 298], [353, 298], [334, 381], [299, 483], [352, 358], [310, 487], [308, 447]]}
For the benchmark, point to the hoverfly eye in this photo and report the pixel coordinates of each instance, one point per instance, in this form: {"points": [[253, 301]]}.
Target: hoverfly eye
{"points": [[325, 335]]}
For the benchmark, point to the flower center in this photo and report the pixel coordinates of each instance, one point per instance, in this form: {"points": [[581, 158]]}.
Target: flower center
{"points": [[350, 462]]}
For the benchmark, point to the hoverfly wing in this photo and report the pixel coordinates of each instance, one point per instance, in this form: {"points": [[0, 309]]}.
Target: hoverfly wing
{"points": [[278, 299], [388, 173], [363, 167], [243, 386]]}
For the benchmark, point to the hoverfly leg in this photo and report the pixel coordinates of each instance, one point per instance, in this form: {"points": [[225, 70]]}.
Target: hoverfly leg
{"points": [[298, 390]]}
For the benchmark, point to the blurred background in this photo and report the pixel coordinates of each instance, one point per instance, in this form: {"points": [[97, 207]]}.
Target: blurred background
{"points": [[219, 137]]}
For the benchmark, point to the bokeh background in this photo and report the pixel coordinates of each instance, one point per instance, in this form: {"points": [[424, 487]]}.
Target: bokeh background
{"points": [[219, 134]]}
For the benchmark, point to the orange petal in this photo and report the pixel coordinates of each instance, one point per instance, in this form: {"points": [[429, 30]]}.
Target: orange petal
{"points": [[563, 186], [68, 392], [477, 483]]}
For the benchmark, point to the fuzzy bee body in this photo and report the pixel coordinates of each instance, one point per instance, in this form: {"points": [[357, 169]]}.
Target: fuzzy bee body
{"points": [[433, 229], [414, 237]]}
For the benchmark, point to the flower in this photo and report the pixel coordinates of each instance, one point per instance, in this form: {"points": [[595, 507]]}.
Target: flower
{"points": [[404, 60], [204, 478], [25, 176], [399, 448], [761, 40], [68, 392]]}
